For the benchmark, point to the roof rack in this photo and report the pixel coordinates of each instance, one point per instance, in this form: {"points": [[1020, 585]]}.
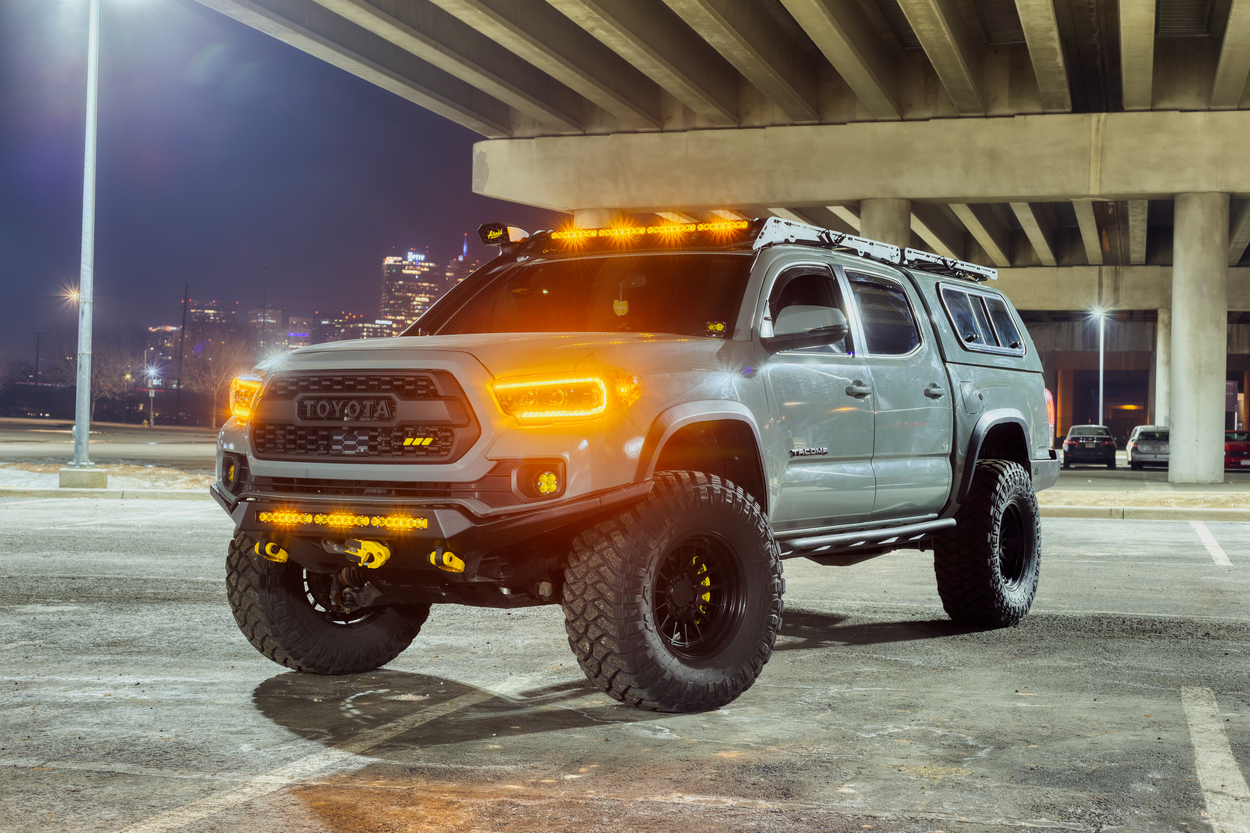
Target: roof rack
{"points": [[776, 231]]}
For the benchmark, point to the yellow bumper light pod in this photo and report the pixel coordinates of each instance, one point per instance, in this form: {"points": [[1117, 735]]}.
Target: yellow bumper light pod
{"points": [[271, 552], [552, 399], [371, 554], [547, 483], [244, 391]]}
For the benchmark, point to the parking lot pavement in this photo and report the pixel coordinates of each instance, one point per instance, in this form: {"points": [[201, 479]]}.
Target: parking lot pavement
{"points": [[134, 704]]}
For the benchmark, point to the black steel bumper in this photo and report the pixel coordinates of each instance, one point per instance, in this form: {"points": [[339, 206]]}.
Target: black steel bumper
{"points": [[413, 527]]}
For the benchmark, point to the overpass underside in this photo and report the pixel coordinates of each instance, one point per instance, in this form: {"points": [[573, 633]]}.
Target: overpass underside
{"points": [[1093, 150]]}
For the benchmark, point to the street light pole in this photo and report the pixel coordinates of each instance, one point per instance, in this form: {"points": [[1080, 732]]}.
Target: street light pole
{"points": [[82, 406], [1102, 320]]}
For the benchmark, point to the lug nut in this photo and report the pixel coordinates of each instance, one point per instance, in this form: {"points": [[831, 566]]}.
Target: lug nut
{"points": [[545, 589]]}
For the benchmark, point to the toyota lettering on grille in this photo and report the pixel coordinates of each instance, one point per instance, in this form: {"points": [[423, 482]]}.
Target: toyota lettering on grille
{"points": [[347, 409]]}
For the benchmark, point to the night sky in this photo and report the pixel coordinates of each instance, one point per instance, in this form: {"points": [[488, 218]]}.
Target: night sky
{"points": [[220, 150]]}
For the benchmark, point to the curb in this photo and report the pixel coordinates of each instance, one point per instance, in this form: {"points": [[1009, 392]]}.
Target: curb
{"points": [[108, 494], [1146, 513]]}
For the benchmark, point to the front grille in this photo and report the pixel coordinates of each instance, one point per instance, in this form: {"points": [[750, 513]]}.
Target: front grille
{"points": [[345, 417], [406, 386], [353, 443]]}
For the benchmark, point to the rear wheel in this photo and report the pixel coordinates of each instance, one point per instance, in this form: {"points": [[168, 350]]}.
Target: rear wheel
{"points": [[674, 604], [987, 566], [287, 613]]}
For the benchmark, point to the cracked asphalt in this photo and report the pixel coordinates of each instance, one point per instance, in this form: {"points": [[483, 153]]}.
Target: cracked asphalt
{"points": [[131, 702]]}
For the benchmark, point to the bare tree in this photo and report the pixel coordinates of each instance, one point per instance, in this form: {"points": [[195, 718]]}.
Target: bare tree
{"points": [[215, 362], [116, 353]]}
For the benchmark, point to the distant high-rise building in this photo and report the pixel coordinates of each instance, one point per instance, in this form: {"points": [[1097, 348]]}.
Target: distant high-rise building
{"points": [[300, 332], [211, 312], [457, 270], [209, 322], [410, 286], [267, 326], [162, 344], [345, 326]]}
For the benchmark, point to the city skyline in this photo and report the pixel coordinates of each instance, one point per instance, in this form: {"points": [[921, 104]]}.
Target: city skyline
{"points": [[227, 160]]}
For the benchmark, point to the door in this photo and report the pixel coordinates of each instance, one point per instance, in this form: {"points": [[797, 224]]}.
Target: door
{"points": [[822, 400], [914, 421]]}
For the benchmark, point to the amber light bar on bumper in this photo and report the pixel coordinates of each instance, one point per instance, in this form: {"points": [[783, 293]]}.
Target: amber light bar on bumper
{"points": [[341, 520], [555, 399], [244, 391]]}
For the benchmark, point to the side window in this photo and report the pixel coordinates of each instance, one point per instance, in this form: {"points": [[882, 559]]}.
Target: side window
{"points": [[959, 305], [889, 328], [1004, 325], [809, 286]]}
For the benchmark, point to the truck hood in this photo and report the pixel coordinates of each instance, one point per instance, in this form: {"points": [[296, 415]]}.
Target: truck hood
{"points": [[502, 354]]}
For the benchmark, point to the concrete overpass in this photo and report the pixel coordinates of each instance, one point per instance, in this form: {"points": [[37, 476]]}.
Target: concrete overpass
{"points": [[1093, 150]]}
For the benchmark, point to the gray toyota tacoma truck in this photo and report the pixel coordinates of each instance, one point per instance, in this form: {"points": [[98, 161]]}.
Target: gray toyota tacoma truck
{"points": [[640, 424]]}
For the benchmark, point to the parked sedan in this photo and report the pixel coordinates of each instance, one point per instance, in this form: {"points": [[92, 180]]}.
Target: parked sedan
{"points": [[1236, 449], [1089, 444], [1147, 445]]}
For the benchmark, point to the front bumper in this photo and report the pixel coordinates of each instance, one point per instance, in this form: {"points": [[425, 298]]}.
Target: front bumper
{"points": [[411, 528]]}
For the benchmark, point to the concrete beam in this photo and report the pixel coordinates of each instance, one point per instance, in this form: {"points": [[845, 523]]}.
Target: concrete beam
{"points": [[535, 32], [787, 214], [1234, 63], [938, 231], [1108, 287], [846, 214], [888, 221], [423, 29], [1038, 222], [989, 228], [323, 34], [1136, 212], [1239, 233], [647, 34], [1090, 236], [842, 31], [952, 49], [752, 40], [1137, 53], [1041, 33], [1048, 158]]}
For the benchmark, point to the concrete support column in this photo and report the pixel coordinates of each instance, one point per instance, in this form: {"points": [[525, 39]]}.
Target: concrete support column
{"points": [[593, 217], [1163, 368], [887, 220], [1199, 338]]}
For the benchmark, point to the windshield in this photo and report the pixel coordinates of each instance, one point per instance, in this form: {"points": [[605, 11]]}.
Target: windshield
{"points": [[1152, 436], [691, 294], [1090, 431], [1236, 437]]}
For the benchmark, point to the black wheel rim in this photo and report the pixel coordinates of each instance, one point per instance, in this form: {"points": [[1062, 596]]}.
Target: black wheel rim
{"points": [[1015, 546], [700, 596], [317, 592]]}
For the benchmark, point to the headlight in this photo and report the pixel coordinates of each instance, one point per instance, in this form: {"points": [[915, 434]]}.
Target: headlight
{"points": [[561, 398], [244, 391]]}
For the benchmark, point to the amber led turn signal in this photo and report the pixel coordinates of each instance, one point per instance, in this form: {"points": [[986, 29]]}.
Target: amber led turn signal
{"points": [[244, 391]]}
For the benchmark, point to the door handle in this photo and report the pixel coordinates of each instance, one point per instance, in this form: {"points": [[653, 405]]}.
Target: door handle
{"points": [[858, 389], [934, 392]]}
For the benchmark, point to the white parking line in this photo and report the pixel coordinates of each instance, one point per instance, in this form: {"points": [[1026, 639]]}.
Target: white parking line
{"points": [[302, 770], [1208, 541], [1223, 787]]}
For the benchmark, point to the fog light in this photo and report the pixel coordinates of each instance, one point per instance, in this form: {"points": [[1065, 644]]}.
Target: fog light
{"points": [[547, 483]]}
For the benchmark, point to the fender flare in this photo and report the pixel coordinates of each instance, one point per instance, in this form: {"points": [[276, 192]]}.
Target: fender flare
{"points": [[988, 420], [673, 419]]}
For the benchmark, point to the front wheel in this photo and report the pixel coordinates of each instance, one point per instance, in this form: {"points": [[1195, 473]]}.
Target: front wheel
{"points": [[987, 566], [674, 604], [287, 614]]}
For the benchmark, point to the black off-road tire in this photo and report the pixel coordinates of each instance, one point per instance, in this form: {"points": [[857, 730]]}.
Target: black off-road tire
{"points": [[987, 566], [273, 608], [627, 584]]}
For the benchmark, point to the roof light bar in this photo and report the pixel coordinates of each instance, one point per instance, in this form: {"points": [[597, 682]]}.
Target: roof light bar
{"points": [[957, 267]]}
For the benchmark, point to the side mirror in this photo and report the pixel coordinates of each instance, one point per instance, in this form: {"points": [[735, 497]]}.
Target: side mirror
{"points": [[806, 326]]}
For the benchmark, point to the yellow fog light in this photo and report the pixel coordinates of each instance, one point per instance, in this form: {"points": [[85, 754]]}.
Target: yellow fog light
{"points": [[547, 483], [244, 391]]}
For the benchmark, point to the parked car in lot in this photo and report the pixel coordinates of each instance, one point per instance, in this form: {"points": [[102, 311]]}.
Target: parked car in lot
{"points": [[1089, 444], [1237, 449], [1147, 445]]}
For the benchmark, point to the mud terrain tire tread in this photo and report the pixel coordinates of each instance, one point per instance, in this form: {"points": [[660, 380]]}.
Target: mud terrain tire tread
{"points": [[607, 604], [272, 612], [967, 559]]}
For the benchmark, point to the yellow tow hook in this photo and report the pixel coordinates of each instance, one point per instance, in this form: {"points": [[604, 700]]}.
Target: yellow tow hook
{"points": [[271, 552], [446, 561], [371, 554]]}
